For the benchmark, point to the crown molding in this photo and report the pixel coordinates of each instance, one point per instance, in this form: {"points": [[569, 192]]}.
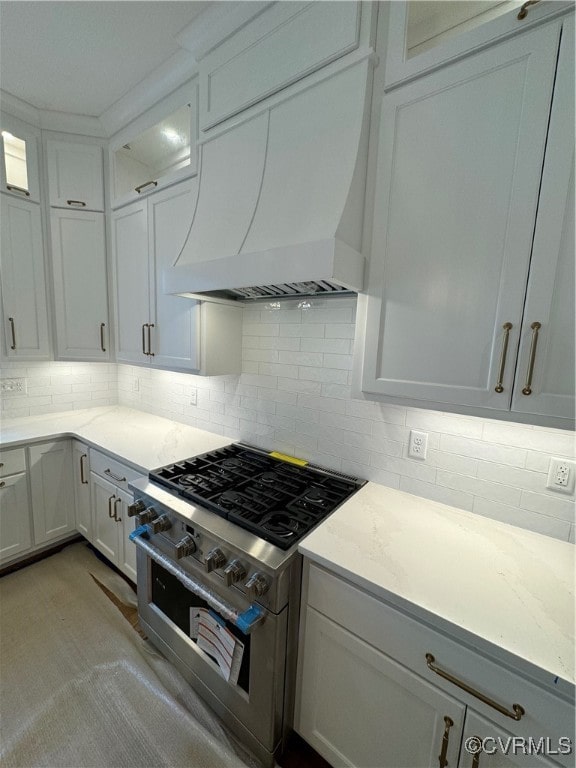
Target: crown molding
{"points": [[19, 108]]}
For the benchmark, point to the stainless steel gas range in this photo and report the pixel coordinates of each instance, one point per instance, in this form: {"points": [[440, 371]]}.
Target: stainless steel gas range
{"points": [[219, 577]]}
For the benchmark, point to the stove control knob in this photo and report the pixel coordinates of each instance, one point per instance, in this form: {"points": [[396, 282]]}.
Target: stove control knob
{"points": [[162, 523], [256, 586], [147, 516], [214, 559], [234, 572], [135, 508], [186, 546]]}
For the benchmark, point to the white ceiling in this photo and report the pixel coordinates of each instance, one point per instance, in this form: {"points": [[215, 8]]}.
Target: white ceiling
{"points": [[80, 56]]}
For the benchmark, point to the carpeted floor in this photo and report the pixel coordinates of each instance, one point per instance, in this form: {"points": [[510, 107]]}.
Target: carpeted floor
{"points": [[79, 688]]}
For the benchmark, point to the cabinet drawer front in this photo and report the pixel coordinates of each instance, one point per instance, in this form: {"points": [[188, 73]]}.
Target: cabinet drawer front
{"points": [[408, 641], [12, 461], [112, 470]]}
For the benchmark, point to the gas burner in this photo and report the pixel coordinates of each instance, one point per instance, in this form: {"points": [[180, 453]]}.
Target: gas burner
{"points": [[230, 499], [188, 480], [232, 463], [281, 525], [194, 482], [317, 496], [268, 478]]}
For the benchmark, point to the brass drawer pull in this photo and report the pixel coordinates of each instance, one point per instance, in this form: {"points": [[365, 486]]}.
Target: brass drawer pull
{"points": [[118, 519], [144, 326], [143, 186], [82, 476], [79, 203], [114, 477], [507, 327], [2, 483], [517, 710], [110, 512], [102, 342], [532, 358], [524, 10], [21, 190], [448, 723], [476, 758], [11, 321]]}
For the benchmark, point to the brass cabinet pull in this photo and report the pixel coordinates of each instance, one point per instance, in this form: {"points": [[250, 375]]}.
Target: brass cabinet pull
{"points": [[448, 723], [102, 342], [143, 186], [524, 10], [144, 326], [21, 190], [532, 358], [11, 321], [118, 519], [114, 477], [82, 476], [150, 325], [2, 483], [110, 512], [507, 327], [476, 758], [80, 203], [517, 710]]}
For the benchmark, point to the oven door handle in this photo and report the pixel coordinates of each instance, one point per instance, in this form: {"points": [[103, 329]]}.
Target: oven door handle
{"points": [[246, 621]]}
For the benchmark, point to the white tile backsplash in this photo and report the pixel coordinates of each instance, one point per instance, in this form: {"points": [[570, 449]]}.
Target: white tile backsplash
{"points": [[294, 396]]}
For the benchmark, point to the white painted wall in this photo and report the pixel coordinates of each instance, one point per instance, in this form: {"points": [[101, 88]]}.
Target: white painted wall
{"points": [[294, 396]]}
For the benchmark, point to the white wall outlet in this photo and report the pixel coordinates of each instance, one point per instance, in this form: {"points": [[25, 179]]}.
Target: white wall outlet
{"points": [[418, 444], [193, 396], [561, 475], [13, 387]]}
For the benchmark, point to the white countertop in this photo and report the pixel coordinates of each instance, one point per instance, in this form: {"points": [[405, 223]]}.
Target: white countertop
{"points": [[507, 591], [137, 438]]}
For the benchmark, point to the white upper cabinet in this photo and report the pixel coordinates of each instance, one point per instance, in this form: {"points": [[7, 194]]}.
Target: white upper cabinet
{"points": [[24, 304], [80, 284], [158, 150], [459, 170], [425, 34], [75, 175], [19, 169]]}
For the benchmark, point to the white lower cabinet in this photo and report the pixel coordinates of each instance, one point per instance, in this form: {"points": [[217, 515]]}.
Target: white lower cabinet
{"points": [[377, 688], [81, 473], [50, 467], [15, 528], [110, 499]]}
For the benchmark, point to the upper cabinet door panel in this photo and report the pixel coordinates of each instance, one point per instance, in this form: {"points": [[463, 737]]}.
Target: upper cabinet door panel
{"points": [[550, 297], [75, 176], [460, 160], [19, 169], [282, 45], [426, 34], [25, 318], [80, 284]]}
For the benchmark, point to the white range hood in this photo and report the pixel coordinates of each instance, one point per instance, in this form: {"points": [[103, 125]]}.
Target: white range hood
{"points": [[280, 200]]}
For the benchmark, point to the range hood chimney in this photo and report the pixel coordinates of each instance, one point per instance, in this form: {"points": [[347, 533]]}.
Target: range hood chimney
{"points": [[281, 198]]}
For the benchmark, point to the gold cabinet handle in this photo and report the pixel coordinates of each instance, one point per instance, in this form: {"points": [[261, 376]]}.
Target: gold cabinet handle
{"points": [[517, 710], [2, 483], [13, 330], [448, 723], [531, 358], [476, 758], [118, 519], [150, 325], [144, 326], [20, 190], [102, 342], [114, 477], [110, 512], [146, 184], [507, 327], [82, 476], [524, 10], [79, 203]]}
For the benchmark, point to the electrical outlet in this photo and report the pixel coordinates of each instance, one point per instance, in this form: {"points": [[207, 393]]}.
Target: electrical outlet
{"points": [[418, 444], [13, 387], [193, 396], [561, 475]]}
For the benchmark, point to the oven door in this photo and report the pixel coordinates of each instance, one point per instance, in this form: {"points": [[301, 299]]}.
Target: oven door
{"points": [[253, 706]]}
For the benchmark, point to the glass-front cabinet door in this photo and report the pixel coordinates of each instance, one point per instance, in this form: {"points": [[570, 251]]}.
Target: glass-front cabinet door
{"points": [[19, 151]]}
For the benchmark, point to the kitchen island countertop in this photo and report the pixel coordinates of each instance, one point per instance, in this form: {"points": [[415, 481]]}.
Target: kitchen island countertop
{"points": [[505, 591]]}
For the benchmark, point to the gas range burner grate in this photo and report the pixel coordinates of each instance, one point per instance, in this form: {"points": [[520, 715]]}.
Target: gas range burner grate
{"points": [[277, 500]]}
